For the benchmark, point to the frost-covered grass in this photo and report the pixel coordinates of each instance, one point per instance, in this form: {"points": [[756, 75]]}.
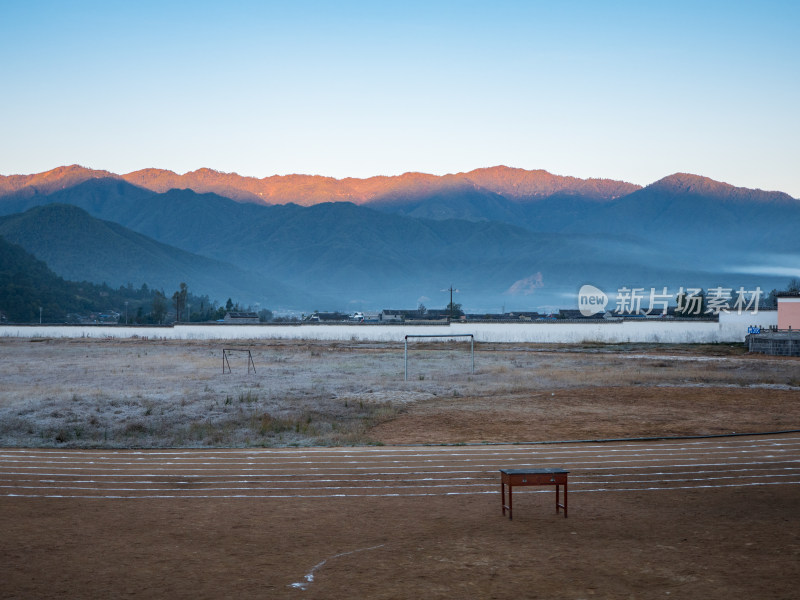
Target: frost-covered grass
{"points": [[145, 393]]}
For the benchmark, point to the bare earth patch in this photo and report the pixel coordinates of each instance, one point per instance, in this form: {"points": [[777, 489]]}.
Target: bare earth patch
{"points": [[594, 413]]}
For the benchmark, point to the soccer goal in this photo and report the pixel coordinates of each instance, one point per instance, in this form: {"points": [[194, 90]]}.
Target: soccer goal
{"points": [[452, 335], [228, 352]]}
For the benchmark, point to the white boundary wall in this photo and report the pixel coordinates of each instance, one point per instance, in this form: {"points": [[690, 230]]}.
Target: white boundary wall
{"points": [[730, 328]]}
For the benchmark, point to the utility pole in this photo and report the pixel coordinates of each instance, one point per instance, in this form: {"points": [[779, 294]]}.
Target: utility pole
{"points": [[126, 312], [451, 301], [451, 290], [40, 315]]}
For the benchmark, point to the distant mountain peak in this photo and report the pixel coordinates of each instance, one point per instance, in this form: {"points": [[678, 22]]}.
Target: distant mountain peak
{"points": [[50, 181], [71, 172], [521, 184], [688, 183], [150, 172]]}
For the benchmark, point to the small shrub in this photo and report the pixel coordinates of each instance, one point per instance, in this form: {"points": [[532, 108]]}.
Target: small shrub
{"points": [[135, 429], [248, 397], [267, 424]]}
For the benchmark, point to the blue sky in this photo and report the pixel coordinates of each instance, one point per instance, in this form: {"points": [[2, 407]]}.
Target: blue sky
{"points": [[624, 90]]}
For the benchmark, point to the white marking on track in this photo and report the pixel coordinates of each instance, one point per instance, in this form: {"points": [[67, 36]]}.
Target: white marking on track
{"points": [[309, 577], [551, 450], [388, 495]]}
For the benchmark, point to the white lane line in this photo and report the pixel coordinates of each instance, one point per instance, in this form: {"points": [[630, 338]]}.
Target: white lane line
{"points": [[404, 452], [249, 488], [756, 468], [289, 464], [489, 476], [300, 460], [623, 464], [743, 439], [683, 479], [363, 471], [398, 485], [389, 495], [234, 481], [393, 453]]}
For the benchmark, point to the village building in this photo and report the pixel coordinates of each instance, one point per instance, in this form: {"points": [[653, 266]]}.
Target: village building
{"points": [[789, 310], [241, 318]]}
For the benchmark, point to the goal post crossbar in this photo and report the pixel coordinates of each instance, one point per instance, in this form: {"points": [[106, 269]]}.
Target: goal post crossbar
{"points": [[449, 335]]}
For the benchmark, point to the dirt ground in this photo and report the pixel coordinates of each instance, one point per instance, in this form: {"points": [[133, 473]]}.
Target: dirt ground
{"points": [[596, 413], [700, 544], [692, 524], [710, 519]]}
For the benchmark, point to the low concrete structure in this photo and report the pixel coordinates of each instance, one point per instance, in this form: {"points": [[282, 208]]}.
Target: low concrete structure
{"points": [[774, 342]]}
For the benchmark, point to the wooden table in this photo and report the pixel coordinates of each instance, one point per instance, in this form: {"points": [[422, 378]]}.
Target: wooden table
{"points": [[512, 477]]}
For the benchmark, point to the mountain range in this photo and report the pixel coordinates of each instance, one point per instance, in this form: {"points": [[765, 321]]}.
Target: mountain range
{"points": [[505, 237], [307, 190]]}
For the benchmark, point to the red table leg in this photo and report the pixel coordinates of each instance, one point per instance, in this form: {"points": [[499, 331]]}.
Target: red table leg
{"points": [[556, 498]]}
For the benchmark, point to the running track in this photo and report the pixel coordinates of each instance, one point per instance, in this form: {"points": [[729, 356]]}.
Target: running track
{"points": [[396, 471]]}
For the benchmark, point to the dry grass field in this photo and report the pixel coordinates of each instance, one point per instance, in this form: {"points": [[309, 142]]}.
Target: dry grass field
{"points": [[141, 393], [332, 480]]}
